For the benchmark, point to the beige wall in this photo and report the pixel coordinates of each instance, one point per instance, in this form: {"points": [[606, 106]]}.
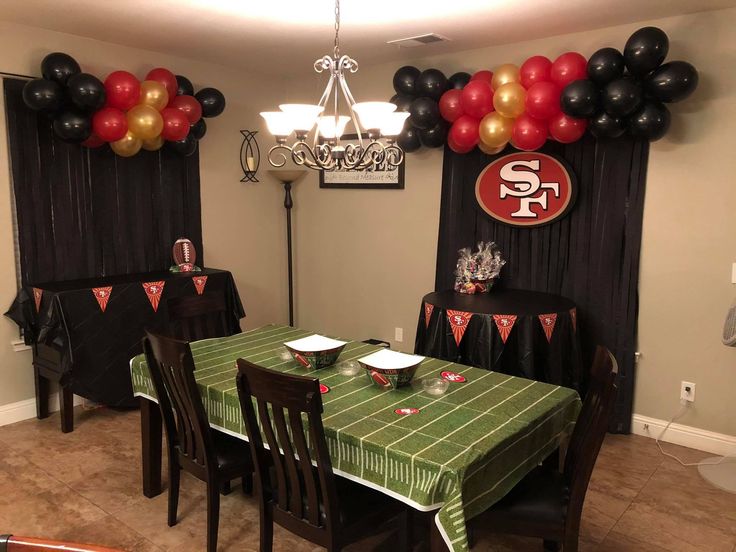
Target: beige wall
{"points": [[365, 258], [242, 222]]}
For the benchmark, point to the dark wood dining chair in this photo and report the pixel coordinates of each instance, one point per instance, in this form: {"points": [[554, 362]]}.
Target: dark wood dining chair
{"points": [[13, 543], [295, 484], [209, 455], [548, 504], [198, 317]]}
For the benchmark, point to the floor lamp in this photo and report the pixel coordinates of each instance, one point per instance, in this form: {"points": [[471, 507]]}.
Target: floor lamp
{"points": [[287, 178]]}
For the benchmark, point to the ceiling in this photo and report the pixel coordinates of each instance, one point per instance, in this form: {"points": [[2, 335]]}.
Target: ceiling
{"points": [[280, 36]]}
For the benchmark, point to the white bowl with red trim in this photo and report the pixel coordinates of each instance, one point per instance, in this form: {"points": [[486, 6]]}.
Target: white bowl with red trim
{"points": [[390, 369], [315, 351]]}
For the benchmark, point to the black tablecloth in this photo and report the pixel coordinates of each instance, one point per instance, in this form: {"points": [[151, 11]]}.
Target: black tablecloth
{"points": [[517, 332], [97, 324]]}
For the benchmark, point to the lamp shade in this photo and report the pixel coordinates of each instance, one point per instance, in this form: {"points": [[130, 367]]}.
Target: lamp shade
{"points": [[393, 123], [302, 116], [330, 128], [278, 123], [373, 114]]}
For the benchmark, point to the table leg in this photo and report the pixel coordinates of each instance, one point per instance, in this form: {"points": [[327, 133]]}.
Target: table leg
{"points": [[436, 542], [151, 447], [42, 394], [66, 406]]}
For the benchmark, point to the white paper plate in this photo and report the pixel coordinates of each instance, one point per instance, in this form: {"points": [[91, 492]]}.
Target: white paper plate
{"points": [[314, 343], [392, 360]]}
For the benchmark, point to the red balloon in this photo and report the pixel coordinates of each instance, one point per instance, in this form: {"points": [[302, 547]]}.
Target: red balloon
{"points": [[165, 77], [543, 100], [566, 129], [483, 76], [569, 67], [529, 134], [189, 105], [93, 141], [477, 99], [109, 124], [176, 124], [451, 106], [122, 90], [464, 131], [454, 147], [533, 70]]}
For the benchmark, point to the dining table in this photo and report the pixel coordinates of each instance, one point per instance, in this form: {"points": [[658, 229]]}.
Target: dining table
{"points": [[453, 454]]}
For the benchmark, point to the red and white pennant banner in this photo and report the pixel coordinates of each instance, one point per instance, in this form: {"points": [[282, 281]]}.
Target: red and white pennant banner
{"points": [[548, 324], [459, 321], [428, 308], [102, 294], [504, 323], [37, 296], [574, 319], [199, 283], [154, 291]]}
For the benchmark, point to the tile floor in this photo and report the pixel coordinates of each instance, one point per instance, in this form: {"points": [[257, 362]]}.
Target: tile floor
{"points": [[85, 486]]}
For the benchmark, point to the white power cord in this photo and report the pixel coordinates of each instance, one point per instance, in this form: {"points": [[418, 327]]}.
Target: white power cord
{"points": [[683, 408]]}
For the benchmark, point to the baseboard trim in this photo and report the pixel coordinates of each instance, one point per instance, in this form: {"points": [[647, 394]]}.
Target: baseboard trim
{"points": [[24, 410], [687, 436]]}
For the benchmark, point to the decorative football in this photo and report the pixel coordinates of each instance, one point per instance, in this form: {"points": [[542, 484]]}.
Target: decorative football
{"points": [[184, 252]]}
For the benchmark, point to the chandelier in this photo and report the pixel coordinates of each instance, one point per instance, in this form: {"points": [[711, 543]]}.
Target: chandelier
{"points": [[377, 124]]}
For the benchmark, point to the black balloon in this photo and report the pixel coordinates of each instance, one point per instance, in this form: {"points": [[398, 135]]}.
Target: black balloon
{"points": [[73, 127], [43, 95], [622, 97], [425, 113], [459, 80], [651, 122], [603, 125], [198, 129], [58, 67], [86, 92], [434, 137], [402, 103], [185, 147], [408, 140], [605, 65], [431, 83], [672, 82], [212, 102], [581, 99], [404, 80], [645, 50], [184, 86]]}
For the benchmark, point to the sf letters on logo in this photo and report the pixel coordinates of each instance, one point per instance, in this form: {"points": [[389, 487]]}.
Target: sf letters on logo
{"points": [[526, 186]]}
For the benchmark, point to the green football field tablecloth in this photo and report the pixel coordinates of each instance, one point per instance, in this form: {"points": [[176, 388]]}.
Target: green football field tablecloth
{"points": [[459, 454]]}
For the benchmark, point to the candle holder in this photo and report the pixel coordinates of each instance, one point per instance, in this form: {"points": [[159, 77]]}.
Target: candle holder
{"points": [[250, 156]]}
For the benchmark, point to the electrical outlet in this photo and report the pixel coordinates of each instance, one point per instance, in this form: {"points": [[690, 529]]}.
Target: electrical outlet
{"points": [[399, 334], [687, 391]]}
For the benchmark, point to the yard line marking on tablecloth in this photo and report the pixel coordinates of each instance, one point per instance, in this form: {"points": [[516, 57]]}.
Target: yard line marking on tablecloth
{"points": [[250, 346], [238, 340]]}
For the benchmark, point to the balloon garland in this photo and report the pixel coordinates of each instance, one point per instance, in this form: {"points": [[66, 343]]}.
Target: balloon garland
{"points": [[610, 94], [122, 111]]}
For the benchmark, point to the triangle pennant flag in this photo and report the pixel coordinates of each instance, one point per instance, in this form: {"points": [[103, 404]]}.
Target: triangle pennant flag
{"points": [[37, 295], [199, 283], [574, 319], [428, 308], [504, 323], [102, 294], [548, 324], [459, 323], [154, 291]]}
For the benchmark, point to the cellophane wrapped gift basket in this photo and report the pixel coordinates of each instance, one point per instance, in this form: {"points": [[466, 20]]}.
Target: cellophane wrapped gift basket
{"points": [[477, 270]]}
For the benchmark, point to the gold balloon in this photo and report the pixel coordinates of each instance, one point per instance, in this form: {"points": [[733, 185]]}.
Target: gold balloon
{"points": [[490, 151], [127, 146], [154, 94], [508, 100], [153, 144], [145, 122], [495, 130], [508, 72]]}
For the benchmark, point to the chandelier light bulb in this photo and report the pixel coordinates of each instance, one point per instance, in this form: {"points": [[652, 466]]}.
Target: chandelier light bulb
{"points": [[373, 114], [393, 123], [329, 129], [278, 123], [302, 116]]}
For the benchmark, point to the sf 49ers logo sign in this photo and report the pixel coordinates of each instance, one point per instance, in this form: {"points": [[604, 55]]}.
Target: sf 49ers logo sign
{"points": [[525, 189]]}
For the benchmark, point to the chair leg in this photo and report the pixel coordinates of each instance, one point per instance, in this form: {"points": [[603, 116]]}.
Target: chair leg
{"points": [[248, 484], [174, 478], [266, 529], [225, 488], [213, 514], [554, 546]]}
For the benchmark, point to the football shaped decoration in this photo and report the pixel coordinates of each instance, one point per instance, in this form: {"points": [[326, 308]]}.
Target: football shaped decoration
{"points": [[184, 256]]}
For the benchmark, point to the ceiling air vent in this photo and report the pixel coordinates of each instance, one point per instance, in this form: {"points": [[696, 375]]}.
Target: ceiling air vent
{"points": [[421, 40]]}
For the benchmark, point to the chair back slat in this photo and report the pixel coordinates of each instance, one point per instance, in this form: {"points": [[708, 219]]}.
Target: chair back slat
{"points": [[590, 430], [171, 366], [198, 317], [298, 483]]}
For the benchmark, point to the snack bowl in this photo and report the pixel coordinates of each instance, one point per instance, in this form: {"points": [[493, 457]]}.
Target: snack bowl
{"points": [[315, 351], [389, 369], [435, 386]]}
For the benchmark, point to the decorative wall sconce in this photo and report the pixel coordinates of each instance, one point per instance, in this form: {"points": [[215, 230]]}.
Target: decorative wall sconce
{"points": [[250, 156]]}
